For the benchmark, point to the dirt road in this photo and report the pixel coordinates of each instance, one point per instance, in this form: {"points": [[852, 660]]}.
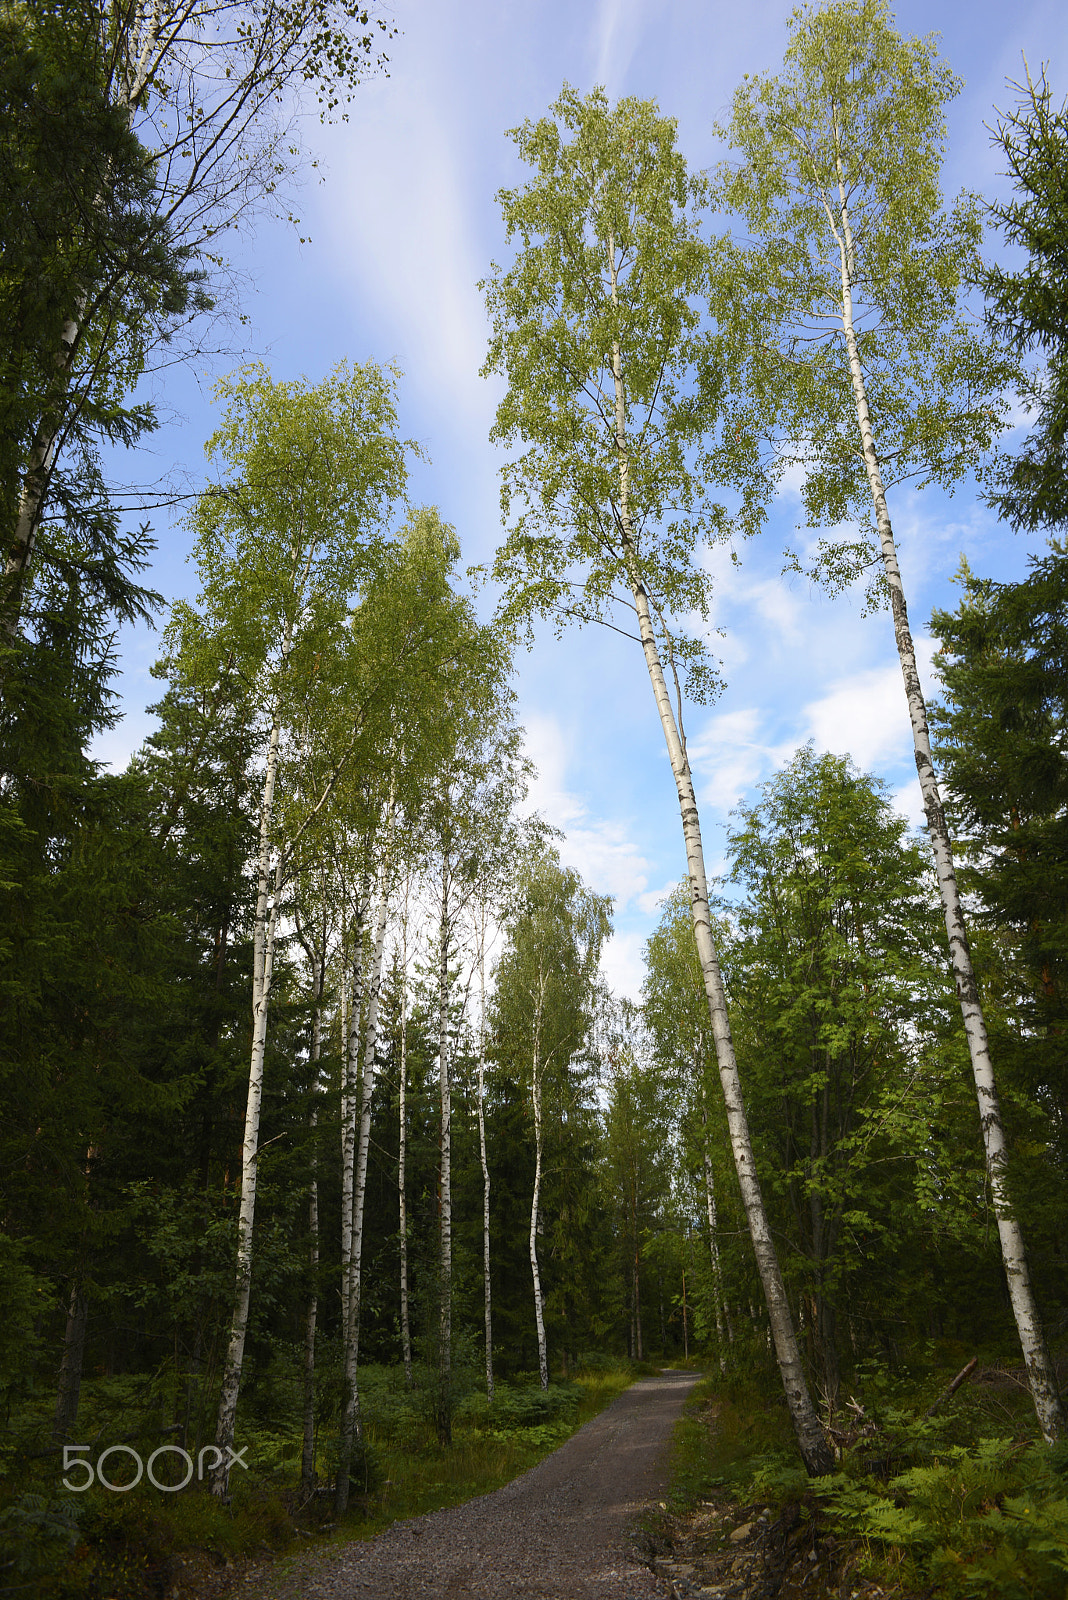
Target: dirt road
{"points": [[556, 1533]]}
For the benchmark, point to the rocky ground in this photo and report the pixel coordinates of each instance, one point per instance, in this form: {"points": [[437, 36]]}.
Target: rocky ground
{"points": [[733, 1552]]}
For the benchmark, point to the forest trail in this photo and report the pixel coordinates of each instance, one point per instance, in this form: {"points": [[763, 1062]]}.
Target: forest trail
{"points": [[559, 1532]]}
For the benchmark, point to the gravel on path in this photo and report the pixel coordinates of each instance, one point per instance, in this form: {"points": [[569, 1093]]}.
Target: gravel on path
{"points": [[559, 1532]]}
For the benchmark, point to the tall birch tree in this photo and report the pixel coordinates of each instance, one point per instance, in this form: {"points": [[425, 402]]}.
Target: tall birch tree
{"points": [[480, 777], [286, 539], [616, 386], [868, 371], [543, 1010]]}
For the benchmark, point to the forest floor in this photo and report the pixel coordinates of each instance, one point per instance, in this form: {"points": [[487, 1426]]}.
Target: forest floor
{"points": [[728, 1551], [723, 1549], [572, 1528]]}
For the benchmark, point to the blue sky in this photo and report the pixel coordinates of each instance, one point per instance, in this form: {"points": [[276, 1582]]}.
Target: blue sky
{"points": [[402, 227]]}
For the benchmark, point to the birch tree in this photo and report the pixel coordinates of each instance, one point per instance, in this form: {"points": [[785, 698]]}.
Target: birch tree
{"points": [[481, 775], [77, 205], [869, 371], [543, 1007], [285, 540], [358, 1143], [616, 386]]}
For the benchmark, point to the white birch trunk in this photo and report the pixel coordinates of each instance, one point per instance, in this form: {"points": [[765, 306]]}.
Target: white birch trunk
{"points": [[486, 1280], [815, 1449], [264, 930], [307, 1458], [352, 1001], [535, 1090], [444, 1407], [402, 1151], [350, 1422], [1040, 1372]]}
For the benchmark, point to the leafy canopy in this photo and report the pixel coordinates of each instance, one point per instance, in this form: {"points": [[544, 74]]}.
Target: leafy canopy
{"points": [[840, 156], [612, 278]]}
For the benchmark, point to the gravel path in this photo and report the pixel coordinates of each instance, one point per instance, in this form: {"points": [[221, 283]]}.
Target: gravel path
{"points": [[556, 1533]]}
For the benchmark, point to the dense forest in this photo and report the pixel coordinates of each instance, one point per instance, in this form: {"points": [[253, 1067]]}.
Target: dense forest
{"points": [[310, 1069]]}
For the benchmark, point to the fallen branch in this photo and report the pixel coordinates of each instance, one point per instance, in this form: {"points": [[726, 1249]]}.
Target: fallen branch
{"points": [[962, 1376]]}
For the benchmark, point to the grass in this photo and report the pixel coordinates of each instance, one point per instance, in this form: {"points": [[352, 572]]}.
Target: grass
{"points": [[491, 1446], [98, 1545]]}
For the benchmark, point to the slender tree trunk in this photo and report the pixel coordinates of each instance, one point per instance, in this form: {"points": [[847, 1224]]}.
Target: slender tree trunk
{"points": [[351, 1009], [1040, 1371], [444, 1398], [402, 1136], [264, 930], [486, 1280], [816, 1452], [350, 1425], [685, 1326], [307, 1459], [638, 1351], [539, 1303], [34, 490]]}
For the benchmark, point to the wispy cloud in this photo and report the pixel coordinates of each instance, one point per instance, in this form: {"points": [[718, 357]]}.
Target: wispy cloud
{"points": [[616, 29], [398, 226], [601, 849], [730, 754], [866, 715]]}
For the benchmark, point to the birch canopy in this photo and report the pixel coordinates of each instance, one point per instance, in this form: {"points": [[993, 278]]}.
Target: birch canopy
{"points": [[841, 154], [612, 260]]}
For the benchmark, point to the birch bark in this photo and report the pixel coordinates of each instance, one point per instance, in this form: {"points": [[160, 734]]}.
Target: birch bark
{"points": [[487, 1287], [269, 887], [402, 1149], [307, 1457], [349, 1103], [535, 1091], [815, 1449], [350, 1425], [1040, 1371], [723, 1332], [444, 1397]]}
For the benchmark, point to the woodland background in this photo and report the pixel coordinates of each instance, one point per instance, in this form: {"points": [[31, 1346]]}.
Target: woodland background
{"points": [[474, 1167]]}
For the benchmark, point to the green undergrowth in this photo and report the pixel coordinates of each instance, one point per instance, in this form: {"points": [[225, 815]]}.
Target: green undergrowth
{"points": [[101, 1545], [411, 1473], [967, 1504]]}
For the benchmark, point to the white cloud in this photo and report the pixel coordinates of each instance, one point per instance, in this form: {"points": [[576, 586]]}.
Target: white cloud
{"points": [[907, 802], [728, 757], [616, 29], [866, 715], [651, 901], [601, 849], [398, 226], [623, 964]]}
